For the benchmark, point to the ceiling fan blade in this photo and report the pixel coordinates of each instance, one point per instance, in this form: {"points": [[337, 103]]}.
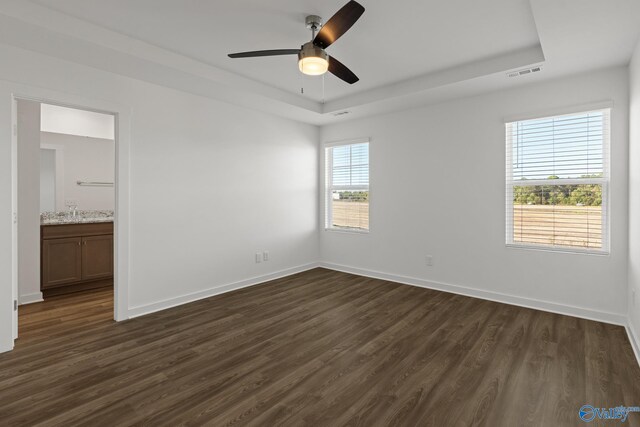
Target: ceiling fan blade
{"points": [[339, 70], [339, 24], [256, 53]]}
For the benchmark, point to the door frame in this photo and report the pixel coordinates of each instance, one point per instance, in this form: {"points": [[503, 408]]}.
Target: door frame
{"points": [[122, 114]]}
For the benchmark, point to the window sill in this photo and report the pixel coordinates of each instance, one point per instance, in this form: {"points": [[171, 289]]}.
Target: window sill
{"points": [[347, 230], [576, 251]]}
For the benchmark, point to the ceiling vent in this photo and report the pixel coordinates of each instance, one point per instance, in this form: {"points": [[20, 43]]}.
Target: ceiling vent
{"points": [[525, 71], [341, 113]]}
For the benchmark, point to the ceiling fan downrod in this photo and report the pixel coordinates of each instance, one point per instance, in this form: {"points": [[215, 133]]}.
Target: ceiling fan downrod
{"points": [[314, 23]]}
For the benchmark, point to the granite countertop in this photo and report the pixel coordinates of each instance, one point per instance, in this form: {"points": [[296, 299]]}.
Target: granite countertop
{"points": [[82, 217]]}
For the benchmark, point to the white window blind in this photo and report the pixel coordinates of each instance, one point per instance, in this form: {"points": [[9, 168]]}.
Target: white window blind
{"points": [[347, 186], [557, 181]]}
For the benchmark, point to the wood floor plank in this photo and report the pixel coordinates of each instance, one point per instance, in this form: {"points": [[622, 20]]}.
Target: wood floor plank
{"points": [[315, 348]]}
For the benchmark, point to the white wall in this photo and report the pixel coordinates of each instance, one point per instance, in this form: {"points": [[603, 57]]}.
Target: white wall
{"points": [[71, 121], [28, 202], [85, 159], [47, 180], [634, 197], [438, 188], [211, 184]]}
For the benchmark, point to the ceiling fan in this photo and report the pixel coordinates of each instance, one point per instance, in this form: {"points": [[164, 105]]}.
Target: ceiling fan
{"points": [[312, 57]]}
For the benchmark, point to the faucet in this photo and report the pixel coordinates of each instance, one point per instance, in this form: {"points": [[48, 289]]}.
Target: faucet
{"points": [[73, 212]]}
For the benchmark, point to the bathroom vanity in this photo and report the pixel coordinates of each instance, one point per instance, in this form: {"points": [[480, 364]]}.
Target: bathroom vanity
{"points": [[76, 254]]}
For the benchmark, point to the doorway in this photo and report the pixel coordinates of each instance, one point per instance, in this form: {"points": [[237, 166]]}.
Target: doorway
{"points": [[66, 206]]}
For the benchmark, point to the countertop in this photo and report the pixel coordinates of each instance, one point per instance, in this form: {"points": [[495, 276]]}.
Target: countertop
{"points": [[81, 217]]}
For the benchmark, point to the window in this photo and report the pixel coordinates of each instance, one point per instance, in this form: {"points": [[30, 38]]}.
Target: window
{"points": [[347, 186], [557, 182]]}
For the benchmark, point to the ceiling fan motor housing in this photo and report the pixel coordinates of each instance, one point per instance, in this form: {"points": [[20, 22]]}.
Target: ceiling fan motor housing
{"points": [[309, 50]]}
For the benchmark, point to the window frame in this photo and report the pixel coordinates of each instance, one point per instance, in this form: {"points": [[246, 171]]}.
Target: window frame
{"points": [[329, 188], [604, 181]]}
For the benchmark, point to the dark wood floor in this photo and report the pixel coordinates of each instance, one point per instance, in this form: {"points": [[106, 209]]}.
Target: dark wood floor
{"points": [[317, 348]]}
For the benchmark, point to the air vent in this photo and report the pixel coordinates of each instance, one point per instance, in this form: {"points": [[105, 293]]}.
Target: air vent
{"points": [[525, 71], [341, 113]]}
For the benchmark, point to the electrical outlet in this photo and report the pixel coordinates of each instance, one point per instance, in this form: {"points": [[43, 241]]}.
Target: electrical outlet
{"points": [[258, 257], [429, 260], [265, 256]]}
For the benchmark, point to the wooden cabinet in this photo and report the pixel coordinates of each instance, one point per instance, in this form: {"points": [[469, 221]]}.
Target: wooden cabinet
{"points": [[76, 257], [61, 261], [97, 257]]}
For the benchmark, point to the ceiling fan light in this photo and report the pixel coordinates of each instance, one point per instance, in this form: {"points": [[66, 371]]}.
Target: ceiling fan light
{"points": [[313, 65], [313, 60]]}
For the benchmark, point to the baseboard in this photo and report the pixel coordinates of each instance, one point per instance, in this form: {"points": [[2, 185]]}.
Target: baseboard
{"points": [[185, 299], [4, 349], [30, 298], [634, 339], [600, 316]]}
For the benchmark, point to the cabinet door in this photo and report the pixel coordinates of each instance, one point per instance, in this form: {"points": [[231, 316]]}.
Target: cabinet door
{"points": [[61, 261], [97, 257]]}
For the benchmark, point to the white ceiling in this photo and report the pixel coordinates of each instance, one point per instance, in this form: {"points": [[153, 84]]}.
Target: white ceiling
{"points": [[410, 50], [392, 41]]}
